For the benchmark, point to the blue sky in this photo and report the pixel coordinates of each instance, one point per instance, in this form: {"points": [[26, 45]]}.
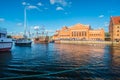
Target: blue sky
{"points": [[53, 14]]}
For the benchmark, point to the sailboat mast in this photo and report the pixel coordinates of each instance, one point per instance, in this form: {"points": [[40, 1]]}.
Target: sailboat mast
{"points": [[25, 27]]}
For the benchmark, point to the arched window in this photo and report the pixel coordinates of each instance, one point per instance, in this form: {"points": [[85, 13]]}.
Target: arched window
{"points": [[85, 33], [117, 34], [72, 33]]}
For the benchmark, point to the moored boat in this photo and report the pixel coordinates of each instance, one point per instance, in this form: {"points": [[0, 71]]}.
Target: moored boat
{"points": [[5, 43], [23, 42], [42, 39]]}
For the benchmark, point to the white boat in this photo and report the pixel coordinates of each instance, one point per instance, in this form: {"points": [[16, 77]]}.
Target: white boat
{"points": [[5, 43], [24, 41]]}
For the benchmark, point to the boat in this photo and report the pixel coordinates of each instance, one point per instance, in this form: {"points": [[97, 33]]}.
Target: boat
{"points": [[43, 37], [5, 43], [25, 41]]}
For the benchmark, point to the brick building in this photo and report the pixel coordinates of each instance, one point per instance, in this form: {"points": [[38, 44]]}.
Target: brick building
{"points": [[114, 28], [79, 32]]}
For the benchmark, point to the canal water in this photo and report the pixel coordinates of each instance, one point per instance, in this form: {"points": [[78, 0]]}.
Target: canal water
{"points": [[61, 62]]}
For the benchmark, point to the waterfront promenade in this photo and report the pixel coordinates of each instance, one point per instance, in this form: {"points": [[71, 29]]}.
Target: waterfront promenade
{"points": [[85, 42]]}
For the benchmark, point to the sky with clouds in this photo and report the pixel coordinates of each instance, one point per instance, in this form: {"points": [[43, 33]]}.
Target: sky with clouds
{"points": [[53, 14]]}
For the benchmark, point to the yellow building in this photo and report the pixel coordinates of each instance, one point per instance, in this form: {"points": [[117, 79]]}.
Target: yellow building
{"points": [[114, 28], [79, 32]]}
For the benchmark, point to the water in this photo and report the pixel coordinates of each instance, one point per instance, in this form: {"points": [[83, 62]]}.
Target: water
{"points": [[61, 62]]}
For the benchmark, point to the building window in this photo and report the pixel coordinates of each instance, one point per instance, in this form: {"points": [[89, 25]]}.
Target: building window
{"points": [[117, 30], [79, 33], [117, 26], [72, 33], [82, 33], [117, 34], [85, 33], [76, 33]]}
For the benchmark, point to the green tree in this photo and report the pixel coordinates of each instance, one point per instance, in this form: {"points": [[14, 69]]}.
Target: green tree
{"points": [[107, 34], [9, 36]]}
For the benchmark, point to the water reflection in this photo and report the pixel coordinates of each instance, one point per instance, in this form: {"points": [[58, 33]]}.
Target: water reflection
{"points": [[115, 61], [5, 58], [63, 61]]}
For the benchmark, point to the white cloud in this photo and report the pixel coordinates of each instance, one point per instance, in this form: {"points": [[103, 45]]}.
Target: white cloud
{"points": [[59, 8], [2, 19], [40, 4], [36, 27], [32, 7], [24, 3], [52, 1], [101, 16], [19, 24], [61, 2], [106, 24]]}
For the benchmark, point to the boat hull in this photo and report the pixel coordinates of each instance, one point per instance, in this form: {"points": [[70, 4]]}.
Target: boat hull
{"points": [[5, 46], [23, 44], [41, 40]]}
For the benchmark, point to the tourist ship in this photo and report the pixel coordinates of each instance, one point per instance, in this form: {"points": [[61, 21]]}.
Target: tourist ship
{"points": [[5, 43], [41, 39]]}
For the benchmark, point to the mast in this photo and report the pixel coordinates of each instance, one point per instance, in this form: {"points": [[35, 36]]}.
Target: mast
{"points": [[25, 26]]}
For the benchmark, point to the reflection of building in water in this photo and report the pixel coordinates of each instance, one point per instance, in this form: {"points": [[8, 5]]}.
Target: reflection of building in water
{"points": [[79, 32], [114, 28], [115, 53], [79, 55]]}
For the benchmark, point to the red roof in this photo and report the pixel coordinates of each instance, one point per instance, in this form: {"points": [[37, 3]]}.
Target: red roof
{"points": [[116, 20]]}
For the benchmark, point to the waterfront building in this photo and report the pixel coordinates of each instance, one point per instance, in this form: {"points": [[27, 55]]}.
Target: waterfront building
{"points": [[79, 32], [17, 37], [114, 28]]}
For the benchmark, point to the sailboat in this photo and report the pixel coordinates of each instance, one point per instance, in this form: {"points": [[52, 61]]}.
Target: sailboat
{"points": [[24, 41]]}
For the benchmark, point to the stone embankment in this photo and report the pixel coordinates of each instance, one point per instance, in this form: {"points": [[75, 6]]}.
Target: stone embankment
{"points": [[85, 42]]}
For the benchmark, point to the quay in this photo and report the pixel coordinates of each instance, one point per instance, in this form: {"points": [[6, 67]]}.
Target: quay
{"points": [[85, 42]]}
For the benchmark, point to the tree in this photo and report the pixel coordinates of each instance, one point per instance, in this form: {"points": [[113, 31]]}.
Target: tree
{"points": [[107, 35], [9, 36]]}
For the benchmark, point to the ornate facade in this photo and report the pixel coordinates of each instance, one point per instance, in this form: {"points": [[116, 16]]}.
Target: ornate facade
{"points": [[79, 32], [114, 28]]}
